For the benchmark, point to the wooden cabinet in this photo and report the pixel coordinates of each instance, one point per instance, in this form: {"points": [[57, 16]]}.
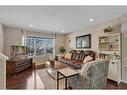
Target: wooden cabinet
{"points": [[15, 66], [9, 67]]}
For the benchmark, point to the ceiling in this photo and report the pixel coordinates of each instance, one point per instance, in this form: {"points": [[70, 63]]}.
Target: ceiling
{"points": [[57, 19]]}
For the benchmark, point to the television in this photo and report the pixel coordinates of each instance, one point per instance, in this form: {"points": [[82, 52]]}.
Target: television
{"points": [[17, 50]]}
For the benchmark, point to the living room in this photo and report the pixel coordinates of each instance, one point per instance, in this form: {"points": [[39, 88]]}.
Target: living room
{"points": [[49, 43]]}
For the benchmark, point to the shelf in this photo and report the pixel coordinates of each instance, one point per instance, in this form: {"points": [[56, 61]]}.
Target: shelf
{"points": [[109, 50], [109, 42], [109, 47], [103, 43], [109, 35]]}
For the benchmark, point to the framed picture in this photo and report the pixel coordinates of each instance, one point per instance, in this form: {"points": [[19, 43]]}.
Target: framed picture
{"points": [[83, 41]]}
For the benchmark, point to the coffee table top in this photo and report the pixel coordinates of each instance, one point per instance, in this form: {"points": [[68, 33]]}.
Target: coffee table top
{"points": [[56, 64], [67, 71]]}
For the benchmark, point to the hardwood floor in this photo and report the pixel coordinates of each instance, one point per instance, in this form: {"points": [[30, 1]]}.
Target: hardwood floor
{"points": [[28, 79]]}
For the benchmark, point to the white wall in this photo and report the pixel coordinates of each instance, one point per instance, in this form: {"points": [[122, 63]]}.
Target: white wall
{"points": [[124, 47], [59, 41], [1, 37], [95, 32], [12, 36], [3, 59]]}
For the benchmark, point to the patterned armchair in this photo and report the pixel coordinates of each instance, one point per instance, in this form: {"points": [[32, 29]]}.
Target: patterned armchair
{"points": [[92, 76]]}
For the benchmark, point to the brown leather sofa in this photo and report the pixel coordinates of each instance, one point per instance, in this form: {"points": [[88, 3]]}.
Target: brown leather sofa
{"points": [[77, 58]]}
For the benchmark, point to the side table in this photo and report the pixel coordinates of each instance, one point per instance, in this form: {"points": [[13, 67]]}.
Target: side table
{"points": [[66, 73]]}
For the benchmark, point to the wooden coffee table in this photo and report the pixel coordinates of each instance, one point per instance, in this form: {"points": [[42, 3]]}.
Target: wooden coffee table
{"points": [[52, 67]]}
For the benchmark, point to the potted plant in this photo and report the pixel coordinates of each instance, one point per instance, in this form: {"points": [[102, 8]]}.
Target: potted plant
{"points": [[61, 53], [62, 50], [108, 29]]}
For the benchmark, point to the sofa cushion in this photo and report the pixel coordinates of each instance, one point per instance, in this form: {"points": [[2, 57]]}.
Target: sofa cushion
{"points": [[77, 65], [73, 63], [65, 60]]}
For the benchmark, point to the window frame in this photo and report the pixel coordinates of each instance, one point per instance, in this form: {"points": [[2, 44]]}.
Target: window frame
{"points": [[32, 36]]}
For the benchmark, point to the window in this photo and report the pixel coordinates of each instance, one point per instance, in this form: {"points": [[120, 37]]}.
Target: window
{"points": [[39, 45]]}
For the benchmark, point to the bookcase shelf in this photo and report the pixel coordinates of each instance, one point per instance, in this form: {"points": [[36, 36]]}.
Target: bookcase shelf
{"points": [[109, 48]]}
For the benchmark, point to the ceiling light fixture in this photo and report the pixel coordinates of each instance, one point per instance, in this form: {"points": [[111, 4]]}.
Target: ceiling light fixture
{"points": [[91, 19], [31, 25], [63, 31]]}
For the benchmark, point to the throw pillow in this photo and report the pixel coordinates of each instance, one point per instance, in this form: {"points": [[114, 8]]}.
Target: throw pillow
{"points": [[87, 59], [76, 57], [68, 56]]}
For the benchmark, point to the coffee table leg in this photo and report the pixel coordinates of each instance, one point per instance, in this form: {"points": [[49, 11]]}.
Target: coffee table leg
{"points": [[57, 80], [65, 82]]}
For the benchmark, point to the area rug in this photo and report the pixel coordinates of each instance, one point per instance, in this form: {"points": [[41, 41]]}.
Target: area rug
{"points": [[48, 81]]}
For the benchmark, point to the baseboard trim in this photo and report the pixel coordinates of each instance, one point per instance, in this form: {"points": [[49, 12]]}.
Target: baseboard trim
{"points": [[112, 80], [123, 81]]}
